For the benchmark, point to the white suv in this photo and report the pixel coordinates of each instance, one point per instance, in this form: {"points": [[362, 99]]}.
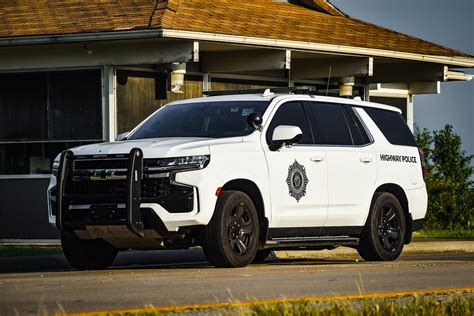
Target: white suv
{"points": [[242, 175]]}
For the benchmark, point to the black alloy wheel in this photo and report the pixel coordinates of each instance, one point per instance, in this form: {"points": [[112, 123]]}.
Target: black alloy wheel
{"points": [[383, 236], [231, 237], [388, 228], [240, 229]]}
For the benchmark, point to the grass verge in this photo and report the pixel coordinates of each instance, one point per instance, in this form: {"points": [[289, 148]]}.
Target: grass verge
{"points": [[440, 303], [438, 233], [415, 305], [18, 251]]}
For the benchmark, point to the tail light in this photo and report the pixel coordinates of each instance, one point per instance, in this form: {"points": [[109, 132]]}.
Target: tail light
{"points": [[422, 162]]}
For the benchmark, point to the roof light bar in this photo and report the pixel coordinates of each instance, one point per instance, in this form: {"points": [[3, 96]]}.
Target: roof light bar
{"points": [[264, 91]]}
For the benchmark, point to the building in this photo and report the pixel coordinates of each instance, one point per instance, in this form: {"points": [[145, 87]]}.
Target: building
{"points": [[74, 73]]}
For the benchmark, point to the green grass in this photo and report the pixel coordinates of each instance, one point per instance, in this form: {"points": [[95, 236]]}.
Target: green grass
{"points": [[414, 305], [440, 304], [17, 251], [438, 233]]}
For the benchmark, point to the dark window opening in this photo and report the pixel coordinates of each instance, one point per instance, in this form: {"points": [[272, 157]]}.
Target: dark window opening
{"points": [[359, 135], [392, 125], [291, 113], [43, 113], [330, 124]]}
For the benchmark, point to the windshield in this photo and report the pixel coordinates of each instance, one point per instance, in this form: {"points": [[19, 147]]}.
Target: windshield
{"points": [[203, 119]]}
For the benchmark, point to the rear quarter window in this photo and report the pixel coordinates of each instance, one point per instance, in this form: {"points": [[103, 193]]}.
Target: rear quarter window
{"points": [[393, 126]]}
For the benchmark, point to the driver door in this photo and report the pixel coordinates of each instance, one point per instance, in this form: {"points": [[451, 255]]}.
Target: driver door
{"points": [[298, 176]]}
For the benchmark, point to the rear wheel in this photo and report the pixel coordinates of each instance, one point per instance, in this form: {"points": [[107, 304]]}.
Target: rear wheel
{"points": [[231, 237], [87, 254], [383, 236]]}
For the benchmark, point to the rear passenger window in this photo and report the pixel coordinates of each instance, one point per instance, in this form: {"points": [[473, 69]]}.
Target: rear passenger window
{"points": [[359, 135], [291, 113], [392, 125], [330, 124]]}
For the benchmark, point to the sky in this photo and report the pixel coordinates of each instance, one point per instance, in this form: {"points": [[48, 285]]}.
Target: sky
{"points": [[446, 22]]}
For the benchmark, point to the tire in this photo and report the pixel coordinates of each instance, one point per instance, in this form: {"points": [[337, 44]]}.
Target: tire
{"points": [[261, 255], [383, 236], [231, 237], [87, 254]]}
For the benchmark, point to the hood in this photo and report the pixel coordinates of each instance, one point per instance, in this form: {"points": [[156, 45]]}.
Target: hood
{"points": [[157, 147]]}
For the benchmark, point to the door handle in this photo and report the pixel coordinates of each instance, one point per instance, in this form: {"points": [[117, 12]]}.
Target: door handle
{"points": [[365, 159], [317, 159]]}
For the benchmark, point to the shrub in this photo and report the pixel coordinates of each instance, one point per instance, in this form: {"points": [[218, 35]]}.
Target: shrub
{"points": [[450, 196]]}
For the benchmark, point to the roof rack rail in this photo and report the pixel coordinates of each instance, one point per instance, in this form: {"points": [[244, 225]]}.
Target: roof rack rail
{"points": [[289, 90]]}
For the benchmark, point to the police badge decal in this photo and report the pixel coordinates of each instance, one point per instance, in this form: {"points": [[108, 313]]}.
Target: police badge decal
{"points": [[297, 181]]}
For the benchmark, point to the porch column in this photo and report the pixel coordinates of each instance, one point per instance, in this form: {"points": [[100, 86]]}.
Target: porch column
{"points": [[109, 103]]}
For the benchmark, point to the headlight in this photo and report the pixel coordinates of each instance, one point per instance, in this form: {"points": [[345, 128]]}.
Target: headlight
{"points": [[177, 163], [55, 168]]}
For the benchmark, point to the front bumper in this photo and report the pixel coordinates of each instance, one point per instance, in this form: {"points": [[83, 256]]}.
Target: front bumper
{"points": [[136, 201]]}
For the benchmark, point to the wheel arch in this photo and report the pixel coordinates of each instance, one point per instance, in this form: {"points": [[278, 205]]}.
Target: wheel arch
{"points": [[401, 196], [251, 189]]}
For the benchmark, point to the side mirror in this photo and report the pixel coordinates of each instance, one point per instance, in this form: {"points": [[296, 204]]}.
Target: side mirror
{"points": [[255, 120], [122, 136], [285, 135]]}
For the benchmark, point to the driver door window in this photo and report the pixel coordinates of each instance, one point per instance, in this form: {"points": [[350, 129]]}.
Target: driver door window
{"points": [[291, 113]]}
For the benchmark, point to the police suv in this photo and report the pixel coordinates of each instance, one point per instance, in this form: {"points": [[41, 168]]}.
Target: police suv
{"points": [[242, 175]]}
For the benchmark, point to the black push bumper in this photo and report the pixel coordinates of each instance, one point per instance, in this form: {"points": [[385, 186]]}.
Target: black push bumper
{"points": [[134, 176]]}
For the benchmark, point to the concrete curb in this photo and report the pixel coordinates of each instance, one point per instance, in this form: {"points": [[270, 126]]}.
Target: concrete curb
{"points": [[30, 242], [416, 247]]}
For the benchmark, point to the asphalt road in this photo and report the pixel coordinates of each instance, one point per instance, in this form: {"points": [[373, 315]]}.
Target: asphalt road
{"points": [[165, 278]]}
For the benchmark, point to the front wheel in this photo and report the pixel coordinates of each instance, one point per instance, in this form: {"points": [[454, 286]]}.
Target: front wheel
{"points": [[231, 237], [262, 255], [383, 236], [87, 254]]}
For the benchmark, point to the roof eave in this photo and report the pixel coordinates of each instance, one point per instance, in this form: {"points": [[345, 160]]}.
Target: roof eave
{"points": [[458, 61], [81, 37], [466, 62]]}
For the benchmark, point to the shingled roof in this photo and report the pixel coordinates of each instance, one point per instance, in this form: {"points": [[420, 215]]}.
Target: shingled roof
{"points": [[254, 18]]}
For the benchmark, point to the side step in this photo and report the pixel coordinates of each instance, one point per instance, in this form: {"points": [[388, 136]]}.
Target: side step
{"points": [[318, 242]]}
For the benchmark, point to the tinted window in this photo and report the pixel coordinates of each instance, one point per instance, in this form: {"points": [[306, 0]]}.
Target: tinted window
{"points": [[329, 122], [203, 119], [291, 113], [75, 108], [57, 105], [359, 135], [43, 113], [392, 125]]}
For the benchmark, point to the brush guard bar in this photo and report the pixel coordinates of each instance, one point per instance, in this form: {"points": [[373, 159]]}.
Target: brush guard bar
{"points": [[133, 194]]}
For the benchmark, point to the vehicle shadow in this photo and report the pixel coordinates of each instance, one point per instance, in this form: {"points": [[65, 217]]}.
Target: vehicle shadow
{"points": [[124, 260], [192, 259], [142, 260]]}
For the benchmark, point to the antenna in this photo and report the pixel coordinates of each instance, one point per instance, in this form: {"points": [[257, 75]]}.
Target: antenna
{"points": [[329, 78], [267, 93]]}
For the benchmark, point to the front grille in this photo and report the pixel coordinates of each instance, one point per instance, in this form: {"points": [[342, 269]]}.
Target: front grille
{"points": [[102, 181], [112, 187], [111, 163]]}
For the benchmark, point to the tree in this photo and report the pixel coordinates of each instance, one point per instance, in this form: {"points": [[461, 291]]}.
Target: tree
{"points": [[424, 140], [448, 179]]}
